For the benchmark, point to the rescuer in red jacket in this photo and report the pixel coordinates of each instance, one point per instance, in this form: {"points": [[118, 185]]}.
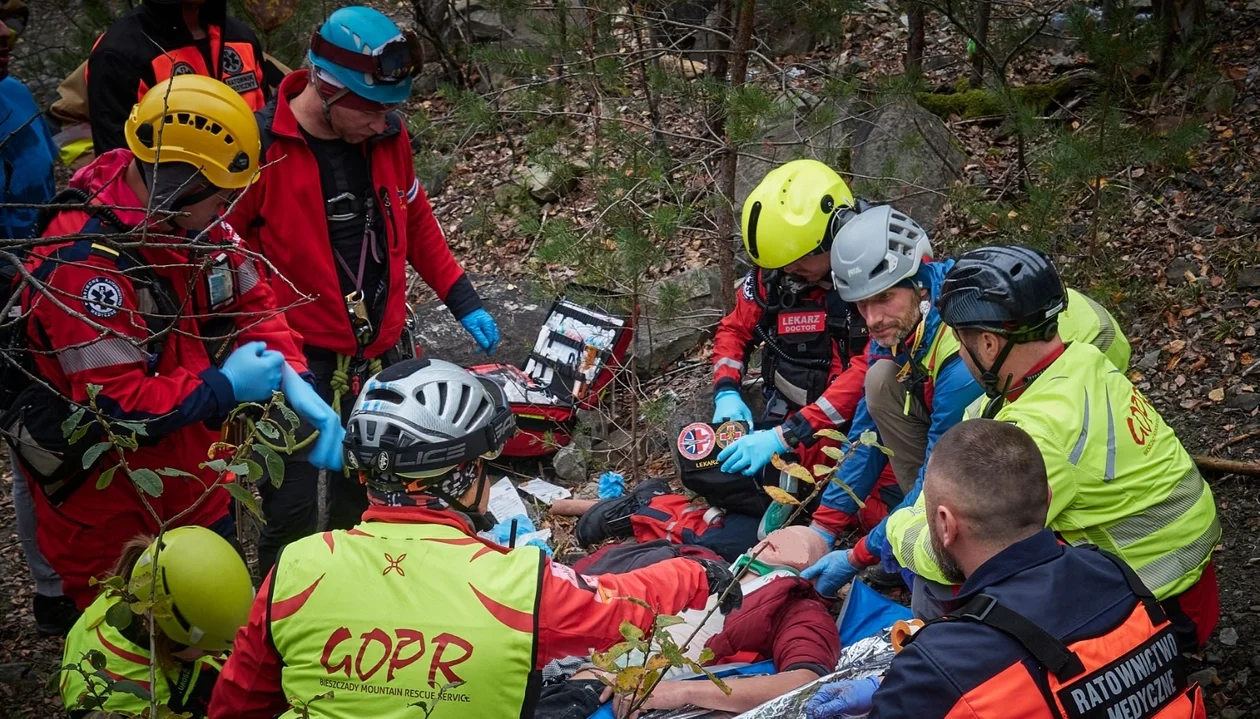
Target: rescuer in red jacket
{"points": [[167, 338], [411, 600], [813, 343], [333, 141]]}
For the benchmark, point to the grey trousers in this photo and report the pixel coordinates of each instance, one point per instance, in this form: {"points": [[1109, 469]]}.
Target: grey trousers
{"points": [[905, 433], [47, 581]]}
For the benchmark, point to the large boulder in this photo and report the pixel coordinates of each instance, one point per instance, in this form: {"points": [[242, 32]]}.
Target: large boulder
{"points": [[905, 155], [679, 314], [515, 306]]}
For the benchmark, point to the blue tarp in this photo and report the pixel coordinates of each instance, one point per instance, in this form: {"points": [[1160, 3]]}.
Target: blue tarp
{"points": [[865, 613]]}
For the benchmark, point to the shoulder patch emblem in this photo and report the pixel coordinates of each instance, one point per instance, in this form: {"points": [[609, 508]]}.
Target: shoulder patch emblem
{"points": [[102, 297], [750, 287]]}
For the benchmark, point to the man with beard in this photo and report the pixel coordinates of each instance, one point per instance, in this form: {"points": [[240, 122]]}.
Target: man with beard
{"points": [[1039, 629], [1121, 478], [916, 388]]}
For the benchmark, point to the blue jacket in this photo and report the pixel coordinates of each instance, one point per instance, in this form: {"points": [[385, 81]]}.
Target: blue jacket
{"points": [[27, 154], [954, 390], [1071, 593]]}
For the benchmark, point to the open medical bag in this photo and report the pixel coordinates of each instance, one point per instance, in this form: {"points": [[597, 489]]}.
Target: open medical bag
{"points": [[577, 351]]}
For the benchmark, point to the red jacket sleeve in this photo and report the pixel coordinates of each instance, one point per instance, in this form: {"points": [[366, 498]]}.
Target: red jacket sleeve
{"points": [[839, 401], [786, 621], [99, 342], [249, 685], [734, 337], [257, 316], [578, 614]]}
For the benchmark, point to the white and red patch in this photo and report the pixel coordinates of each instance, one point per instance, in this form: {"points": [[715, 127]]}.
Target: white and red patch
{"points": [[795, 323], [696, 440]]}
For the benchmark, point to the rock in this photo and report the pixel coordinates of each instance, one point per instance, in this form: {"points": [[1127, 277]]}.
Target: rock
{"points": [[1202, 228], [1248, 211], [1059, 61], [14, 672], [1203, 677], [516, 308], [909, 150], [1232, 713], [590, 490], [1249, 278], [1255, 662], [570, 464], [1229, 636], [549, 184], [1194, 180], [592, 422], [662, 339], [821, 131], [1213, 657], [1149, 361], [619, 446], [1247, 402], [1220, 99], [1177, 269]]}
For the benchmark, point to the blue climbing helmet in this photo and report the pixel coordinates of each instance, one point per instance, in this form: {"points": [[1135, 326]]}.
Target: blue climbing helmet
{"points": [[363, 50]]}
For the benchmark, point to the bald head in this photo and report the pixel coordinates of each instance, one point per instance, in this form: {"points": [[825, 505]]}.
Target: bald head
{"points": [[991, 476]]}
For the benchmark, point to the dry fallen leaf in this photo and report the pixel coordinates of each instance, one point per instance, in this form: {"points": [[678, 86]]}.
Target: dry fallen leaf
{"points": [[1175, 347], [1217, 395]]}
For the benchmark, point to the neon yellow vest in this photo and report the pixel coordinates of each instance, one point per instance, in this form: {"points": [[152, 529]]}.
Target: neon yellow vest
{"points": [[1120, 477], [124, 660], [387, 615], [1084, 320]]}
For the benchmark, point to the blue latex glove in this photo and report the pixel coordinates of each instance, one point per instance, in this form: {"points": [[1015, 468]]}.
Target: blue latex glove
{"points": [[481, 326], [611, 485], [833, 571], [253, 371], [750, 453], [828, 537], [303, 399], [845, 698], [503, 530], [728, 404]]}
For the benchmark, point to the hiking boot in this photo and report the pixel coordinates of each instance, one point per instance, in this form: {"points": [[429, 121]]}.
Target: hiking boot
{"points": [[610, 518], [54, 616], [876, 578]]}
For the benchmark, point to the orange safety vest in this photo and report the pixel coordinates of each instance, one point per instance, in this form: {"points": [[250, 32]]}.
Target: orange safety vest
{"points": [[237, 67], [1133, 671]]}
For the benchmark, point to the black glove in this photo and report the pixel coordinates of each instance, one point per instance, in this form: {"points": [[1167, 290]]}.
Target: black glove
{"points": [[720, 577]]}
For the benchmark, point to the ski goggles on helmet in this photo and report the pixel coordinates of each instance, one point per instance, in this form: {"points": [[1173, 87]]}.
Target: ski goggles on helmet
{"points": [[397, 61]]}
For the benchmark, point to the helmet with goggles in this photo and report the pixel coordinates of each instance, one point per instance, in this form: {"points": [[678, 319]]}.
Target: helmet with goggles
{"points": [[367, 54]]}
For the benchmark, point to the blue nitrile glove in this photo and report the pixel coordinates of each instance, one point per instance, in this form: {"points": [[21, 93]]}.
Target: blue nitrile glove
{"points": [[728, 404], [833, 571], [481, 326], [503, 530], [845, 698], [750, 453], [546, 548], [253, 371], [611, 485], [303, 399], [828, 537]]}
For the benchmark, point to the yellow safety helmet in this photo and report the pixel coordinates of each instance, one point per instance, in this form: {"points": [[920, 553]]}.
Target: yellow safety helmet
{"points": [[789, 214], [199, 121], [204, 584]]}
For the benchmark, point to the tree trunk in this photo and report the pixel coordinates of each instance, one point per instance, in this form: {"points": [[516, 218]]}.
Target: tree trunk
{"points": [[984, 9], [726, 219], [914, 45]]}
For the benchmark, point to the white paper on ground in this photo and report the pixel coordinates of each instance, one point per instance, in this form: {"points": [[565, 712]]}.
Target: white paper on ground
{"points": [[545, 491], [505, 503]]}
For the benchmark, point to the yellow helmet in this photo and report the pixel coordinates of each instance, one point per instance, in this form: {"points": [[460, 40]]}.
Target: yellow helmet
{"points": [[199, 121], [789, 214], [204, 583]]}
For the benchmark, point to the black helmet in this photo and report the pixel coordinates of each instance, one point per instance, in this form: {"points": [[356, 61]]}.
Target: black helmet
{"points": [[1010, 290]]}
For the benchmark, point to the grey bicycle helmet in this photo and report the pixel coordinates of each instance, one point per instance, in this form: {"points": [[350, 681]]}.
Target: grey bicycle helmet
{"points": [[874, 250], [419, 422]]}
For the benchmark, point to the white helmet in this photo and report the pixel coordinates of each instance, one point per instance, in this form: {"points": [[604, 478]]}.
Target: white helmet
{"points": [[875, 250], [421, 419]]}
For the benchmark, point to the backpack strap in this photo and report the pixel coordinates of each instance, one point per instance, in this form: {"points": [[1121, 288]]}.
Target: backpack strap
{"points": [[1154, 611]]}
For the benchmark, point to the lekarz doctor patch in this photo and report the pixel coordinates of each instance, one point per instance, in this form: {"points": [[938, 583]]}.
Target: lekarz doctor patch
{"points": [[102, 297], [794, 323]]}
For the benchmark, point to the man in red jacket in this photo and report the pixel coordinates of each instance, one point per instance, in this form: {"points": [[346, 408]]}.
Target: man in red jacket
{"points": [[813, 343], [411, 601], [337, 144], [165, 339]]}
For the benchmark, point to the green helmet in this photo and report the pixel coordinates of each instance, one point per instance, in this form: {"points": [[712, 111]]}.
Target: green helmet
{"points": [[206, 582]]}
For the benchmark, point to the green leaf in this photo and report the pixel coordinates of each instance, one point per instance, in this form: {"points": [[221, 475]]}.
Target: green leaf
{"points": [[833, 452], [93, 390], [871, 439], [118, 616], [240, 469], [667, 620], [630, 631], [245, 497], [127, 686], [255, 471], [848, 490], [139, 428], [832, 434], [96, 658], [218, 465], [275, 465], [289, 415], [640, 602], [172, 472], [706, 655], [148, 482], [79, 432], [94, 452], [106, 477], [72, 421], [268, 429]]}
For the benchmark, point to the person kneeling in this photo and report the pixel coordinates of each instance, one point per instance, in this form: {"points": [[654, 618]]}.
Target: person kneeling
{"points": [[202, 600]]}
